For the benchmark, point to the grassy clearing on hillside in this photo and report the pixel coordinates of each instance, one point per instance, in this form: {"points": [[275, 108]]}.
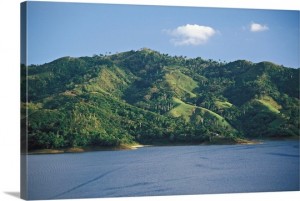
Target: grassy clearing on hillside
{"points": [[186, 111], [182, 110], [181, 83], [271, 104], [223, 104], [221, 119]]}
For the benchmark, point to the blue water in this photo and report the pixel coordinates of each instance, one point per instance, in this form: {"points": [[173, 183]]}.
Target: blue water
{"points": [[169, 170]]}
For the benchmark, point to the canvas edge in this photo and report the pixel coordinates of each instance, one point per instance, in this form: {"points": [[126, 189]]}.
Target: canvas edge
{"points": [[23, 113]]}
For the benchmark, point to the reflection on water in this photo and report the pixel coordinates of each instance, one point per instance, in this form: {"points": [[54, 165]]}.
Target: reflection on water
{"points": [[177, 170]]}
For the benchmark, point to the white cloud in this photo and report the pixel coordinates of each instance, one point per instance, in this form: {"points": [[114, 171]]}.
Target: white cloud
{"points": [[190, 34], [255, 27]]}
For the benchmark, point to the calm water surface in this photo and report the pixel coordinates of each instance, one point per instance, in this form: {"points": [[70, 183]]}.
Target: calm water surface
{"points": [[170, 170]]}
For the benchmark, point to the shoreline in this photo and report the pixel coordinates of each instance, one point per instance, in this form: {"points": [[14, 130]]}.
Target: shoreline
{"points": [[85, 149], [135, 146], [221, 141]]}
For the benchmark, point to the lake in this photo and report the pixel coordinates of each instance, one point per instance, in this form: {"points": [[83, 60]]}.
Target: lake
{"points": [[166, 170]]}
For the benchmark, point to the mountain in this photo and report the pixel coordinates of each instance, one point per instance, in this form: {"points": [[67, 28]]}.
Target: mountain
{"points": [[147, 97]]}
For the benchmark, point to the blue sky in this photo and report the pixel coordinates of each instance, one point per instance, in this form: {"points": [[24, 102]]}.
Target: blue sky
{"points": [[75, 29]]}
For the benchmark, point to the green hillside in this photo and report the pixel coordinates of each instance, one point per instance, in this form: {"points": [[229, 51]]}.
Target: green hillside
{"points": [[270, 104], [181, 84], [187, 111], [148, 97]]}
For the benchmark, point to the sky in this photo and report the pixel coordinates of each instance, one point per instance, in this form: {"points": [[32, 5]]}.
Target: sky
{"points": [[56, 30]]}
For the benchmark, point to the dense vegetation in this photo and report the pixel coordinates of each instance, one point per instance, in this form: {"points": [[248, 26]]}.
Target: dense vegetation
{"points": [[148, 97]]}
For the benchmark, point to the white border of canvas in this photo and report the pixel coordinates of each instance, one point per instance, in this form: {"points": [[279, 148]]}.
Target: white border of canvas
{"points": [[10, 90]]}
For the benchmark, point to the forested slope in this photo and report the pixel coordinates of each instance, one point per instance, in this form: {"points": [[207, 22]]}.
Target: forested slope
{"points": [[148, 97]]}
